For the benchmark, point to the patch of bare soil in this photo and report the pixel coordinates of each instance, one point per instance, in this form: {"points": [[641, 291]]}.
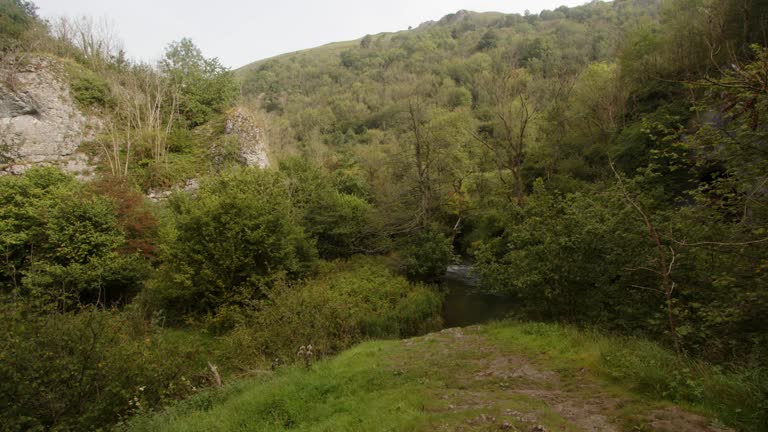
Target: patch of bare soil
{"points": [[485, 389], [678, 420]]}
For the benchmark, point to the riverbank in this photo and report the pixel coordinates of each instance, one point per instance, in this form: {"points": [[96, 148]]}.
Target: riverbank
{"points": [[507, 376]]}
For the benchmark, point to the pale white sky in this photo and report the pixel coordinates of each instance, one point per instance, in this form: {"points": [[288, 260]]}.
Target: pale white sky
{"points": [[241, 31]]}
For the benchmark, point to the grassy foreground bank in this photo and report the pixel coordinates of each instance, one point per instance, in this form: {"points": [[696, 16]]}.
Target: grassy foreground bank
{"points": [[503, 376]]}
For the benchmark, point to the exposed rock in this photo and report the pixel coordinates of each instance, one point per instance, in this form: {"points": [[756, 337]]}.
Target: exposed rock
{"points": [[253, 148], [39, 122], [674, 419], [241, 125], [163, 194], [507, 426]]}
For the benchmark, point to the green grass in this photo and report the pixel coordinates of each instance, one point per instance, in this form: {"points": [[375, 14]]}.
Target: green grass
{"points": [[350, 392], [322, 51], [738, 397], [415, 386]]}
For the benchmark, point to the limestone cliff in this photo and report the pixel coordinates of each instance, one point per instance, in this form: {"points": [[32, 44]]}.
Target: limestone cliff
{"points": [[40, 123], [253, 149]]}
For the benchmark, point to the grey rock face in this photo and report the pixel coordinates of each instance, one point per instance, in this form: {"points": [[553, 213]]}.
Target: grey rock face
{"points": [[253, 148], [157, 195], [39, 121]]}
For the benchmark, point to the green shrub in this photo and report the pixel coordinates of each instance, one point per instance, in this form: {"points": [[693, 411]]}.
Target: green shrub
{"points": [[16, 18], [229, 243], [225, 152], [565, 258], [63, 244], [426, 254], [90, 90], [86, 370], [341, 224], [182, 140], [352, 301], [459, 97]]}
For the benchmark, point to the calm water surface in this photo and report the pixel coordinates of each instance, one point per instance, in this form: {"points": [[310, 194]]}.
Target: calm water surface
{"points": [[463, 305]]}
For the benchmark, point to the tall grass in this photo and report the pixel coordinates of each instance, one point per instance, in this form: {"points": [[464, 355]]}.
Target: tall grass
{"points": [[347, 393]]}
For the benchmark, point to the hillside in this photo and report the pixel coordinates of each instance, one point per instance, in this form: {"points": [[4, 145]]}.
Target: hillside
{"points": [[612, 129], [334, 49], [596, 173], [331, 49], [504, 376]]}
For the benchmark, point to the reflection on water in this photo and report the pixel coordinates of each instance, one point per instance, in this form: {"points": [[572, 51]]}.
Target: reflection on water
{"points": [[463, 305]]}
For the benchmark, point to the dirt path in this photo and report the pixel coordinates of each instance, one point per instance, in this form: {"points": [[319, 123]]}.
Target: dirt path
{"points": [[481, 388]]}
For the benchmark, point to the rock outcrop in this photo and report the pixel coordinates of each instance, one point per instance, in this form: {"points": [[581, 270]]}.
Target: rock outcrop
{"points": [[253, 149], [157, 195], [39, 121]]}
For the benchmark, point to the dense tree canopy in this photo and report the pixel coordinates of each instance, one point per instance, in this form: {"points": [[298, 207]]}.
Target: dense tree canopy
{"points": [[503, 133]]}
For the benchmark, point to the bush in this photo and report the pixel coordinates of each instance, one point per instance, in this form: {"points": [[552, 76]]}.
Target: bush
{"points": [[488, 41], [86, 370], [229, 243], [341, 225], [134, 214], [565, 258], [427, 254], [16, 18], [459, 97], [63, 244], [90, 90], [349, 302], [110, 279]]}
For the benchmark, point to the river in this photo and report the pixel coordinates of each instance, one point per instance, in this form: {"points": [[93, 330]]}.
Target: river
{"points": [[464, 305]]}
